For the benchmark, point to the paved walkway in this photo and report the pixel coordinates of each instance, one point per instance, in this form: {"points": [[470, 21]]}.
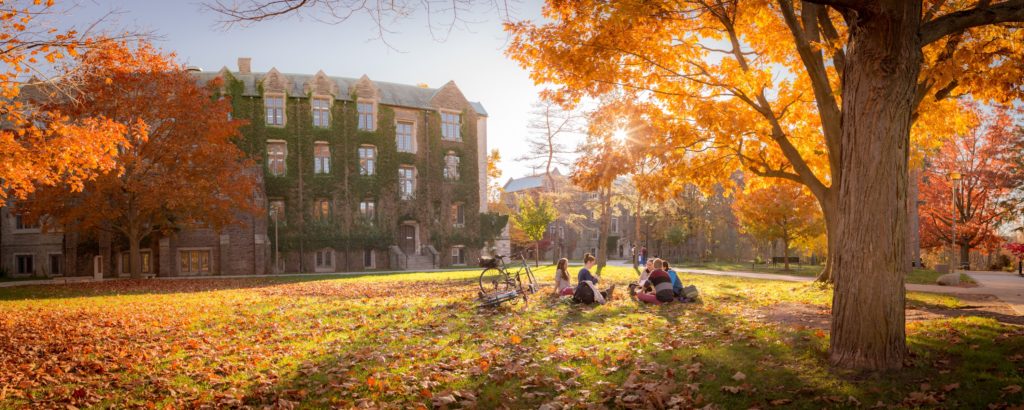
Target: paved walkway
{"points": [[1008, 287]]}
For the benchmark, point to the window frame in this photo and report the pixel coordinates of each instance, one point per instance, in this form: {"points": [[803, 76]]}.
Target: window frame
{"points": [[367, 165], [31, 263], [458, 215], [449, 126], [371, 122], [276, 118], [373, 259], [411, 135], [458, 255], [272, 158], [319, 213], [321, 115], [324, 260], [449, 172], [199, 260], [402, 195], [368, 211], [60, 263], [321, 164]]}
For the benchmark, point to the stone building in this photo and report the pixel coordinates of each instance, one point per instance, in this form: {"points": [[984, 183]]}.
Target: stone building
{"points": [[581, 236], [356, 175]]}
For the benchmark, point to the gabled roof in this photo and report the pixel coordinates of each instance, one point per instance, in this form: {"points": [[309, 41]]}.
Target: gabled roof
{"points": [[402, 95], [531, 181]]}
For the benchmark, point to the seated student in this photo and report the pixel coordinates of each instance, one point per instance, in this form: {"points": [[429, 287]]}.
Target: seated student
{"points": [[642, 284], [586, 289], [677, 285], [562, 285], [662, 287]]}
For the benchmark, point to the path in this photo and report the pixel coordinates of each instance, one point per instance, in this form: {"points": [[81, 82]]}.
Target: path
{"points": [[1008, 287]]}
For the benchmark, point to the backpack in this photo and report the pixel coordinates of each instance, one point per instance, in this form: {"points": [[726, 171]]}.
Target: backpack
{"points": [[690, 292], [585, 293]]}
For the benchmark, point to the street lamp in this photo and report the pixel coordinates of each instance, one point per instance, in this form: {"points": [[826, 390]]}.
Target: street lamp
{"points": [[955, 177], [277, 264]]}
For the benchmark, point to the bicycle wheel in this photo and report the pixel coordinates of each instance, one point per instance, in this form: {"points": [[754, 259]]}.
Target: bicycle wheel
{"points": [[494, 280]]}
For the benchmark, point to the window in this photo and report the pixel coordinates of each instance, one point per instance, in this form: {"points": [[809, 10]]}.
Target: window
{"points": [[324, 259], [458, 255], [56, 264], [369, 259], [368, 210], [458, 215], [321, 158], [366, 120], [126, 261], [597, 234], [406, 182], [451, 166], [21, 223], [451, 126], [277, 151], [194, 261], [24, 264], [404, 137], [367, 160], [277, 210], [275, 109], [323, 210], [321, 112], [615, 225]]}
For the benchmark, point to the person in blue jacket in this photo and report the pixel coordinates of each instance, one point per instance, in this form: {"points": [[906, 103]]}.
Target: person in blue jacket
{"points": [[677, 285]]}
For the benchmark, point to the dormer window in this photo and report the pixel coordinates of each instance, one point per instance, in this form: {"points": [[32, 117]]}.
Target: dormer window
{"points": [[451, 126], [275, 109], [321, 112], [367, 111]]}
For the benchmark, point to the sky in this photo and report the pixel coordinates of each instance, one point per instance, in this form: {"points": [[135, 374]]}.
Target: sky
{"points": [[472, 55]]}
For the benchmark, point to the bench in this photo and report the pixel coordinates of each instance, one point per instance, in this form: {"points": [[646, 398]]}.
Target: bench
{"points": [[782, 259]]}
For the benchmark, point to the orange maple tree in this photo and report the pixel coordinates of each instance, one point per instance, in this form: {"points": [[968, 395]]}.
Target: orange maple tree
{"points": [[825, 93], [780, 212], [989, 192], [179, 167], [43, 147]]}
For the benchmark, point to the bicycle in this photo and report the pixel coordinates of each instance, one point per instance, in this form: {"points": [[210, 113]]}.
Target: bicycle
{"points": [[499, 283]]}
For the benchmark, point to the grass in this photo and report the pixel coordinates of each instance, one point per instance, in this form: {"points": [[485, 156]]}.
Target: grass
{"points": [[916, 276], [417, 340]]}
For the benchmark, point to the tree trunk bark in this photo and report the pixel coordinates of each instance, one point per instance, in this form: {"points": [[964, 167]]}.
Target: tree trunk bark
{"points": [[134, 253], [602, 237], [831, 228], [785, 254], [965, 255], [882, 67]]}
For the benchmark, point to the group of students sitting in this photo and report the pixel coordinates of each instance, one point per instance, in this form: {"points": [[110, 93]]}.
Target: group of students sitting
{"points": [[658, 283]]}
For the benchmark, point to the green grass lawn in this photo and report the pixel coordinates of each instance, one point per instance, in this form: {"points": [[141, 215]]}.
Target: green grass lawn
{"points": [[417, 340], [916, 276]]}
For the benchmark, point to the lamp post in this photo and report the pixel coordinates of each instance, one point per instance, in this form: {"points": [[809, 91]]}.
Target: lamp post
{"points": [[277, 264], [953, 257]]}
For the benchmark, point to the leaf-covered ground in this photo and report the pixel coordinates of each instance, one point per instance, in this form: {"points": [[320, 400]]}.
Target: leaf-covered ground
{"points": [[417, 340]]}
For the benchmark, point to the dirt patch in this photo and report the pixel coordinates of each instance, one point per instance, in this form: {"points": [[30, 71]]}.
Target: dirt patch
{"points": [[817, 317]]}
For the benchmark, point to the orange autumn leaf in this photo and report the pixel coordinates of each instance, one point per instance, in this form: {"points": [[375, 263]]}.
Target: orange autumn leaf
{"points": [[514, 339]]}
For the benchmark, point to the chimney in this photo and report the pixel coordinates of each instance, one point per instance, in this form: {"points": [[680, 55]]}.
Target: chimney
{"points": [[244, 65]]}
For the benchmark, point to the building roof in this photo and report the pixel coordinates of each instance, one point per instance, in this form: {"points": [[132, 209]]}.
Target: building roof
{"points": [[529, 182], [402, 95]]}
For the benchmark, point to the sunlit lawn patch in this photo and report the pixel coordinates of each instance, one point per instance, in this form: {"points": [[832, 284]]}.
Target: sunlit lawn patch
{"points": [[410, 340]]}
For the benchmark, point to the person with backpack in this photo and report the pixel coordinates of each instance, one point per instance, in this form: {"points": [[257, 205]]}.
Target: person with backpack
{"points": [[677, 285], [586, 288], [662, 284]]}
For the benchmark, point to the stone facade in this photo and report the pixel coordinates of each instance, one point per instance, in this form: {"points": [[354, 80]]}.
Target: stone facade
{"points": [[323, 225]]}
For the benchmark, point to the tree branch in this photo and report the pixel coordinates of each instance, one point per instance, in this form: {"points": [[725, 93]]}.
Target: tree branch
{"points": [[952, 23]]}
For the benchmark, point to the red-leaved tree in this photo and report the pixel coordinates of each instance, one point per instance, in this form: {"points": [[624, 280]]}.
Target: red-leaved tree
{"points": [[988, 193], [179, 167]]}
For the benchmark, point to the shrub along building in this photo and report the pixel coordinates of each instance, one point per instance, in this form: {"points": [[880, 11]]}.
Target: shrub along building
{"points": [[356, 174]]}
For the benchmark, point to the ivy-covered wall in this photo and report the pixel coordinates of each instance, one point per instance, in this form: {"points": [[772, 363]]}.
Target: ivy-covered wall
{"points": [[301, 235]]}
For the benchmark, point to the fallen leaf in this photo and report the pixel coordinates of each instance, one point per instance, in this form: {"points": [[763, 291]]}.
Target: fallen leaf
{"points": [[739, 376]]}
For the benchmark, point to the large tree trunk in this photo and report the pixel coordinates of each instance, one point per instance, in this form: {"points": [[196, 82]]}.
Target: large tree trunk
{"points": [[882, 66], [965, 255], [134, 252], [785, 254]]}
